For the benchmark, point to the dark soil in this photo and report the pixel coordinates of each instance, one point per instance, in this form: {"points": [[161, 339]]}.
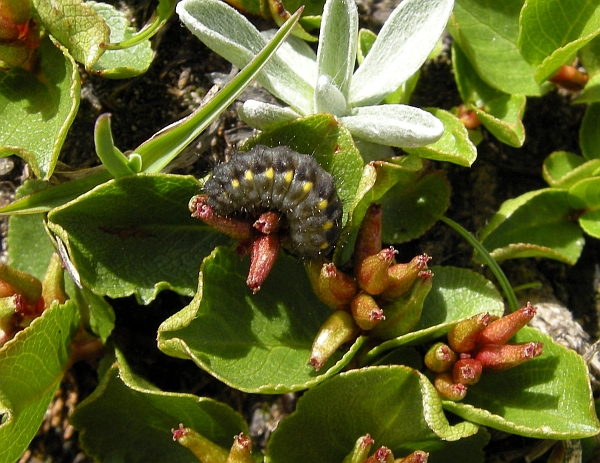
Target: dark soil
{"points": [[181, 74]]}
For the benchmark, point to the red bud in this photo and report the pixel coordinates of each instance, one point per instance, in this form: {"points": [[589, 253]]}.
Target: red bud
{"points": [[333, 287], [338, 329], [262, 258], [233, 227], [402, 276], [440, 358], [366, 311], [448, 389], [496, 357], [467, 372], [464, 336], [368, 241], [501, 330]]}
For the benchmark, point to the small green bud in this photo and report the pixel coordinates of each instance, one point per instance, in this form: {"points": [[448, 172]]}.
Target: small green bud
{"points": [[205, 450], [28, 286], [361, 449], [448, 389], [440, 358], [366, 311], [372, 272], [497, 357], [467, 371], [501, 330], [241, 450], [368, 241], [338, 329], [464, 336], [402, 276], [53, 287], [331, 286], [403, 314]]}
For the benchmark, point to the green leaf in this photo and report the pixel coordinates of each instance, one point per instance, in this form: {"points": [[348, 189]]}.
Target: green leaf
{"points": [[29, 246], [563, 169], [254, 343], [329, 142], [589, 135], [456, 294], [32, 366], [499, 112], [128, 62], [454, 146], [548, 397], [552, 31], [585, 197], [128, 419], [396, 405], [536, 224], [487, 31], [38, 110], [589, 57], [412, 206], [76, 26], [135, 235]]}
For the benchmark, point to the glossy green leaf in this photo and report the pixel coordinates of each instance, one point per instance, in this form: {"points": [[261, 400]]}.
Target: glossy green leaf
{"points": [[552, 31], [501, 113], [38, 110], [396, 405], [29, 246], [563, 169], [456, 294], [411, 207], [589, 133], [128, 419], [585, 197], [135, 235], [255, 343], [75, 25], [128, 62], [487, 31], [536, 224], [330, 143], [110, 156], [591, 92], [403, 183], [32, 366], [548, 397], [454, 146], [589, 58]]}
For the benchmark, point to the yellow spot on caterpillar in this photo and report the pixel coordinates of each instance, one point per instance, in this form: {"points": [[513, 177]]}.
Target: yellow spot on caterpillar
{"points": [[289, 175], [248, 175], [324, 246], [270, 173], [307, 187], [328, 225], [323, 204], [235, 183]]}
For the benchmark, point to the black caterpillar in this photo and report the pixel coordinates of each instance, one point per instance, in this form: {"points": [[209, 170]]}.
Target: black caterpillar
{"points": [[280, 179]]}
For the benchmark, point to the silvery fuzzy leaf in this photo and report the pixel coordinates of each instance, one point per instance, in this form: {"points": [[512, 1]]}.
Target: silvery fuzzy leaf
{"points": [[394, 125], [231, 35], [336, 54], [329, 98], [402, 46], [264, 116]]}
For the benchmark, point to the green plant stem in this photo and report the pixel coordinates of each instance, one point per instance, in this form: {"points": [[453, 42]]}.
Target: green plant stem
{"points": [[509, 294]]}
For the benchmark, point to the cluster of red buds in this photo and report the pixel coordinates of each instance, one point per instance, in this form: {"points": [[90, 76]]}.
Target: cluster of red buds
{"points": [[260, 237], [383, 298], [360, 454], [206, 450], [23, 297], [479, 344], [19, 33]]}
